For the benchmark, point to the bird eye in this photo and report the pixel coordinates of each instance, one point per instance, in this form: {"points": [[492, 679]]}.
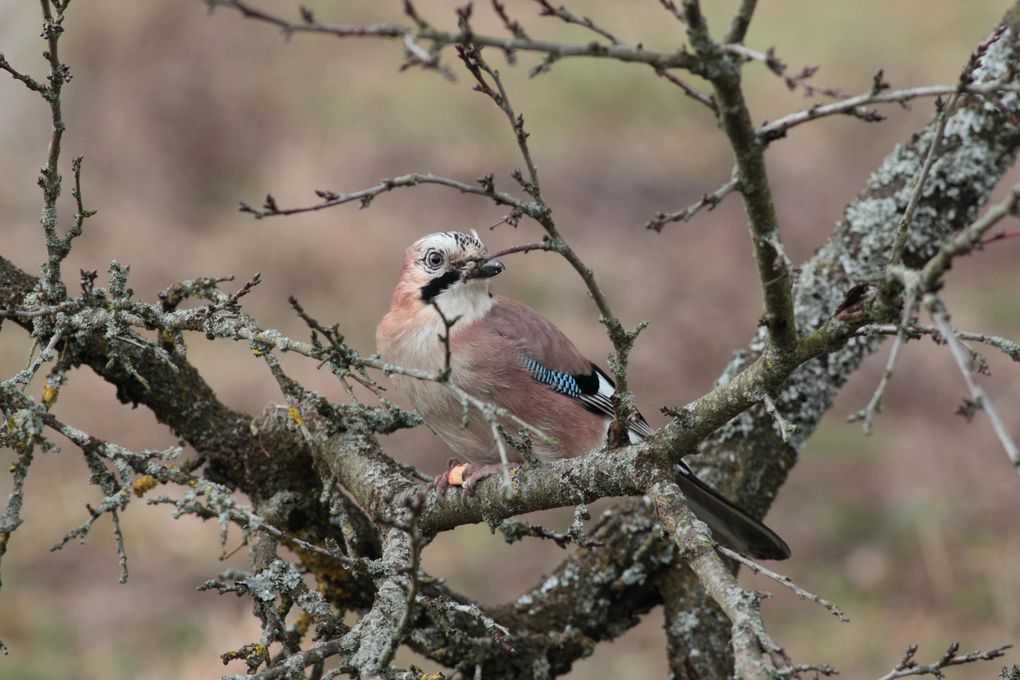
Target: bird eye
{"points": [[434, 259]]}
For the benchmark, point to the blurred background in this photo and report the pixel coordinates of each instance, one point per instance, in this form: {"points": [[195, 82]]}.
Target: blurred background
{"points": [[181, 114]]}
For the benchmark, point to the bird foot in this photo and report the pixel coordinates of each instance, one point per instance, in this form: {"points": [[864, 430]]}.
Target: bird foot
{"points": [[453, 476], [466, 476]]}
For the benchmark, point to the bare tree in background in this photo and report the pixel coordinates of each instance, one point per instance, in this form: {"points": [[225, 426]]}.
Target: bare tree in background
{"points": [[356, 520]]}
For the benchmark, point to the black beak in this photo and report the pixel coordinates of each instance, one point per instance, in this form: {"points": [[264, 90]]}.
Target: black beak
{"points": [[486, 270]]}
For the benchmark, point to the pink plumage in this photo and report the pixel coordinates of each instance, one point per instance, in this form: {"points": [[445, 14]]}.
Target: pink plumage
{"points": [[506, 354], [491, 343]]}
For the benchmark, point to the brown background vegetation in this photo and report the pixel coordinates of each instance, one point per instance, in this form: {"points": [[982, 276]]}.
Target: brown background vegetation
{"points": [[180, 115]]}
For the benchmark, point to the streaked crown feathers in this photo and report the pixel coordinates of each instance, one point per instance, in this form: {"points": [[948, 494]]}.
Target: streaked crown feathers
{"points": [[454, 244], [445, 264]]}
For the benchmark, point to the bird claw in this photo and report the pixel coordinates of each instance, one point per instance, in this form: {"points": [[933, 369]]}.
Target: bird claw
{"points": [[465, 475], [453, 476], [476, 473]]}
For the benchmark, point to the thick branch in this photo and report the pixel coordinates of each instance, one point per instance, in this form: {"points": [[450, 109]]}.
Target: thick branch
{"points": [[860, 246], [741, 458], [753, 649], [723, 71]]}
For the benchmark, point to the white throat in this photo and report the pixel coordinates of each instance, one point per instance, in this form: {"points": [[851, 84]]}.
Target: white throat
{"points": [[416, 345], [469, 300]]}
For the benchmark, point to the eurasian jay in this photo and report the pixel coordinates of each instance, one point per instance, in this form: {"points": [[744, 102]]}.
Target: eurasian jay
{"points": [[505, 353]]}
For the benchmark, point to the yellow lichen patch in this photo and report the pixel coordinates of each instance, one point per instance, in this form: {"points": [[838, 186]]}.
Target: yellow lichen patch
{"points": [[330, 578], [143, 484], [295, 415], [431, 676], [49, 396], [256, 352], [303, 622]]}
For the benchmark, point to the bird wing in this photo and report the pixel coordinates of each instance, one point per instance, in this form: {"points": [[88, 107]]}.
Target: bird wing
{"points": [[553, 360]]}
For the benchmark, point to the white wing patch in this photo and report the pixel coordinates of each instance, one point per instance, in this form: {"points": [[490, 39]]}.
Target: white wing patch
{"points": [[602, 401]]}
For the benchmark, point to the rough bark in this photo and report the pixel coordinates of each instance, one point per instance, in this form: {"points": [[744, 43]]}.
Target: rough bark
{"points": [[596, 594]]}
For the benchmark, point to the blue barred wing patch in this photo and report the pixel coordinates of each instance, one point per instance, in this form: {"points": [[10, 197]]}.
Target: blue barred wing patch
{"points": [[560, 381], [594, 391]]}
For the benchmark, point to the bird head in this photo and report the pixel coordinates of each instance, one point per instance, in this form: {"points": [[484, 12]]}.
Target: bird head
{"points": [[450, 268]]}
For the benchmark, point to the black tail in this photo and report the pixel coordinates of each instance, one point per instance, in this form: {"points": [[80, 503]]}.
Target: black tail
{"points": [[730, 525]]}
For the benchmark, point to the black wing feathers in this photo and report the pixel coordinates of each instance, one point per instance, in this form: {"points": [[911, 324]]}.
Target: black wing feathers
{"points": [[594, 390]]}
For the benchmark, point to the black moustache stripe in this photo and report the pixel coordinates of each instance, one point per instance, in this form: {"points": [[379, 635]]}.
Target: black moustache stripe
{"points": [[438, 285]]}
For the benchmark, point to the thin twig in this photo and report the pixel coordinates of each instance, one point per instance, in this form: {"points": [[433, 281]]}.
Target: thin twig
{"points": [[118, 540], [779, 68], [785, 428], [24, 377], [978, 393], [365, 196], [902, 333], [57, 248], [141, 463], [853, 106], [785, 581], [917, 330], [967, 240], [908, 666], [472, 58], [709, 201], [623, 340], [569, 17], [558, 50], [672, 9], [514, 27], [514, 530], [524, 248], [486, 411], [903, 227], [245, 518], [29, 82], [1002, 236], [741, 21], [82, 214], [945, 112], [704, 99]]}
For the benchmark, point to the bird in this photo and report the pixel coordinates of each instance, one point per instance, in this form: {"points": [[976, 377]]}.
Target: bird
{"points": [[504, 353]]}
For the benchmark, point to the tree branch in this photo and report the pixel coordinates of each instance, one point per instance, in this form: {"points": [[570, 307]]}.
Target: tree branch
{"points": [[439, 39], [756, 655], [978, 394], [908, 666], [723, 71], [799, 385], [365, 196]]}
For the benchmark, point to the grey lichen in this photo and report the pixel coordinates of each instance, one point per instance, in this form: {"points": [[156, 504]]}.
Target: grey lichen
{"points": [[980, 146], [280, 577], [591, 596]]}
